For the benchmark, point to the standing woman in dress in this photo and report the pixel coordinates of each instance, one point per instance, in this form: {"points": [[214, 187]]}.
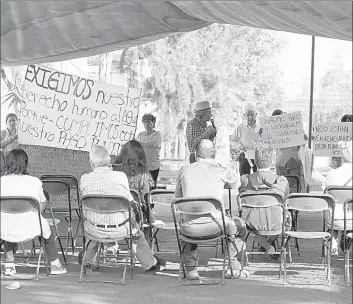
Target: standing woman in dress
{"points": [[151, 141], [9, 139]]}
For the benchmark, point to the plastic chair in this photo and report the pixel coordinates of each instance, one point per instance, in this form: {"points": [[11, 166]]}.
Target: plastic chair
{"points": [[55, 187], [161, 200], [199, 206], [106, 204], [19, 205], [347, 239], [306, 202], [261, 200]]}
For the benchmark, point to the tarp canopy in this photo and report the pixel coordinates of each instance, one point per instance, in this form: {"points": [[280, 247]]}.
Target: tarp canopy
{"points": [[46, 31]]}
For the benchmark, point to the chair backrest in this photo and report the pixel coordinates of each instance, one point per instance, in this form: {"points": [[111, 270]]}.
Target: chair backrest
{"points": [[161, 201], [105, 203], [196, 205], [70, 179], [309, 202], [314, 203], [293, 180], [340, 193], [260, 199], [18, 204], [53, 186]]}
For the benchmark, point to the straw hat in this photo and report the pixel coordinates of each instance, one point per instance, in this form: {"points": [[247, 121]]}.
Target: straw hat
{"points": [[203, 106]]}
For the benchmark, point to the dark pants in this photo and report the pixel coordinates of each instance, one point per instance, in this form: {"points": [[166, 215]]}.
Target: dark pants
{"points": [[49, 246], [244, 167], [154, 174], [192, 157]]}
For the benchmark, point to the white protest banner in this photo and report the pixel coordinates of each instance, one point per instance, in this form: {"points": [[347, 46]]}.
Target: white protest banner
{"points": [[327, 137], [283, 131], [71, 112]]}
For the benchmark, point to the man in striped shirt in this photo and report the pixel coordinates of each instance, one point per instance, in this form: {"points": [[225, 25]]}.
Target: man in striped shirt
{"points": [[104, 181]]}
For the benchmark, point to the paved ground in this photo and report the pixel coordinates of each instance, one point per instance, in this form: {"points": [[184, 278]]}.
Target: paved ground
{"points": [[263, 286]]}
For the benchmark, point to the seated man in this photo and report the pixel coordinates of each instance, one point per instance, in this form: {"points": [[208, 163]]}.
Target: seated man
{"points": [[103, 180], [206, 177], [266, 180], [342, 176]]}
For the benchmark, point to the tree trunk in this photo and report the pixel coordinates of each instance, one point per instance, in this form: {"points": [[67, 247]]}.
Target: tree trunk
{"points": [[105, 64]]}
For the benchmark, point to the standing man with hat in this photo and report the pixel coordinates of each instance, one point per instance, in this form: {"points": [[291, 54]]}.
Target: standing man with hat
{"points": [[197, 128], [247, 136]]}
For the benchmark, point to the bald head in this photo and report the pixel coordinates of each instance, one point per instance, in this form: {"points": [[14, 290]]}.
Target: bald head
{"points": [[205, 149], [99, 157]]}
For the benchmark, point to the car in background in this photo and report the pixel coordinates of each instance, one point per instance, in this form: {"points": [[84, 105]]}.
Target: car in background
{"points": [[169, 172]]}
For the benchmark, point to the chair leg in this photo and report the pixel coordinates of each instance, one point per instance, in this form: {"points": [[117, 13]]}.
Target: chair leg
{"points": [[83, 264], [328, 252], [225, 255], [284, 265], [62, 250], [346, 267]]}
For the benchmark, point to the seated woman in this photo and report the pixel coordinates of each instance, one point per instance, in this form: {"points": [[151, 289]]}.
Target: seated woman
{"points": [[132, 161], [17, 182], [264, 180]]}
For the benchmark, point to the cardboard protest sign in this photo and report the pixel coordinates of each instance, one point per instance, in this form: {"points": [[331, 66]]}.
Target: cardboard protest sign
{"points": [[71, 112], [283, 131], [328, 136]]}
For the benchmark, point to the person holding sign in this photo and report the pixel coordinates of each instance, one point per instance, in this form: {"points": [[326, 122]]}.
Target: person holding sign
{"points": [[151, 141], [9, 139], [247, 136], [197, 128]]}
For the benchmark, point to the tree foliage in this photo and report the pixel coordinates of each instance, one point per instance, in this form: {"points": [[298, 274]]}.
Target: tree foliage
{"points": [[227, 65]]}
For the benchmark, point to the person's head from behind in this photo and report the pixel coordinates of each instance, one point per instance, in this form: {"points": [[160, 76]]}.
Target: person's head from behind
{"points": [[250, 114], [11, 121], [205, 149], [347, 118], [263, 157], [132, 156], [99, 157], [277, 112], [346, 150], [17, 162], [149, 122]]}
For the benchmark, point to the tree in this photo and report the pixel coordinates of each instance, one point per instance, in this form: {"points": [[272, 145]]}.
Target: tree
{"points": [[335, 92], [227, 65]]}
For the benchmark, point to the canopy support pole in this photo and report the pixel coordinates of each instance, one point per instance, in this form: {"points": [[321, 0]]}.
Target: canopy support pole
{"points": [[311, 89]]}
